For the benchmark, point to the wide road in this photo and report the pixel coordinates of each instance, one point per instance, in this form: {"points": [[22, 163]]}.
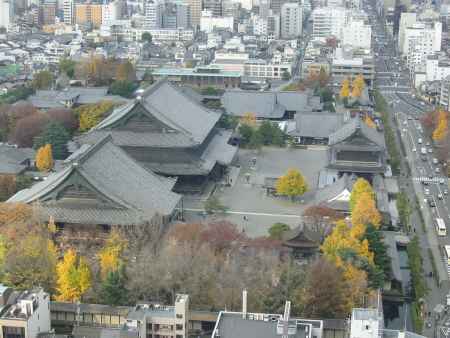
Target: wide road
{"points": [[393, 82]]}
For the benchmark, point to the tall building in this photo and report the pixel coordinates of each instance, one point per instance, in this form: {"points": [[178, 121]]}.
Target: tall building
{"points": [[195, 7], [275, 5], [406, 20], [273, 26], [88, 13], [69, 12], [264, 8], [328, 21], [111, 11], [291, 20], [183, 16], [152, 14], [357, 34], [47, 12], [6, 13], [214, 6]]}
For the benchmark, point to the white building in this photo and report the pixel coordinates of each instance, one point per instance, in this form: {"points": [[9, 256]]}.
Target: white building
{"points": [[233, 62], [177, 34], [436, 69], [261, 69], [69, 12], [152, 14], [420, 40], [6, 13], [208, 22], [328, 21], [291, 18], [29, 314], [406, 20], [357, 34], [111, 12]]}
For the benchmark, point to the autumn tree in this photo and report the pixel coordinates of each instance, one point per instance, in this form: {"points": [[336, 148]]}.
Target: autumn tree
{"points": [[323, 77], [325, 293], [293, 184], [91, 114], [73, 277], [27, 128], [42, 80], [358, 86], [126, 72], [249, 119], [345, 88], [44, 158], [96, 70], [64, 116], [110, 256], [7, 186], [360, 186], [365, 211], [442, 126]]}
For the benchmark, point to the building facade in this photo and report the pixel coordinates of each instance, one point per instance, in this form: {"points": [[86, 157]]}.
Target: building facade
{"points": [[69, 12], [291, 20], [88, 13], [357, 34]]}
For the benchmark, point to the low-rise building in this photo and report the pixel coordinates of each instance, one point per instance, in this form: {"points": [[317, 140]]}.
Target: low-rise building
{"points": [[263, 69], [346, 64], [201, 76], [24, 314]]}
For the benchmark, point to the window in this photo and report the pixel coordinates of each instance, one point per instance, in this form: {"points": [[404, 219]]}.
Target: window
{"points": [[179, 316], [179, 327]]}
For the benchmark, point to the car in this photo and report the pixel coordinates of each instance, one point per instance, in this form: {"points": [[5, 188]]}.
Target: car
{"points": [[440, 197], [437, 170], [435, 161], [430, 150], [425, 182], [404, 130], [441, 181], [428, 144], [414, 150], [426, 191], [431, 203], [445, 192], [419, 141], [422, 103], [405, 123]]}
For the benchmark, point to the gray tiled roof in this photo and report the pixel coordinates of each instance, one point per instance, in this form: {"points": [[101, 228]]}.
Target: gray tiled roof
{"points": [[172, 107], [12, 159], [270, 105], [316, 124], [326, 194], [138, 193], [351, 127]]}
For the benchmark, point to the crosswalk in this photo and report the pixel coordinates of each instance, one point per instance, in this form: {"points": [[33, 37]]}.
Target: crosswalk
{"points": [[427, 179]]}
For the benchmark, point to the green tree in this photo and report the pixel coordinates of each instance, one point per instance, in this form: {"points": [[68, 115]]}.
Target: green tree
{"points": [[293, 184], [277, 230], [381, 258], [256, 140], [67, 66], [147, 37], [246, 133], [42, 80], [123, 88], [113, 291], [55, 135], [286, 76], [214, 205], [271, 134]]}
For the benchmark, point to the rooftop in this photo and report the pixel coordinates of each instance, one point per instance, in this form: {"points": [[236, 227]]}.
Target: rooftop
{"points": [[204, 71]]}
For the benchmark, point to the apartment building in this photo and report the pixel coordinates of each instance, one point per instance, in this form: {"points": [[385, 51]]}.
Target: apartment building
{"points": [[291, 20], [69, 12], [208, 22], [407, 19], [24, 314], [328, 21], [88, 13], [436, 68], [444, 98], [357, 34], [152, 14]]}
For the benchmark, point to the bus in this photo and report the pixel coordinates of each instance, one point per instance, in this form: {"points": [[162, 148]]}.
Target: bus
{"points": [[441, 229], [447, 253]]}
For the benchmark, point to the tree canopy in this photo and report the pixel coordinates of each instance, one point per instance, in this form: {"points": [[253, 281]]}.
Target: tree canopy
{"points": [[361, 186], [441, 131], [44, 158], [42, 80], [345, 88], [293, 184], [56, 135]]}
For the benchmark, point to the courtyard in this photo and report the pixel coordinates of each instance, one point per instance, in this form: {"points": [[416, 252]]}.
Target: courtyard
{"points": [[249, 205]]}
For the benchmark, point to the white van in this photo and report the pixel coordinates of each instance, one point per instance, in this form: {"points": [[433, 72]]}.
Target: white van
{"points": [[419, 141], [423, 151]]}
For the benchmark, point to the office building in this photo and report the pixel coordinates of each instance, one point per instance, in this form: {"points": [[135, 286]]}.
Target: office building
{"points": [[88, 14], [111, 12], [195, 7], [275, 5], [328, 21], [273, 26], [6, 13], [47, 13], [357, 34], [69, 12], [406, 20], [208, 22], [264, 8], [291, 20], [152, 14], [214, 6]]}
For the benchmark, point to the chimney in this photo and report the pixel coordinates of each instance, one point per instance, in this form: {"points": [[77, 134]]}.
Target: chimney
{"points": [[244, 304]]}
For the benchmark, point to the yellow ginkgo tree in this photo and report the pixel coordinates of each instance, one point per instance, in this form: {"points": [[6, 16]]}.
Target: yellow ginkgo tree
{"points": [[292, 184], [442, 126], [345, 88], [44, 158], [73, 277], [110, 256]]}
